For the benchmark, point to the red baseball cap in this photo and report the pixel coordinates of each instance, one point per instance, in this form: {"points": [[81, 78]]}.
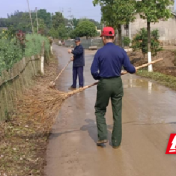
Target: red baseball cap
{"points": [[108, 31]]}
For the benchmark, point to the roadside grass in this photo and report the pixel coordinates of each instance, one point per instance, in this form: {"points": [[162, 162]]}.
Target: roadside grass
{"points": [[163, 79]]}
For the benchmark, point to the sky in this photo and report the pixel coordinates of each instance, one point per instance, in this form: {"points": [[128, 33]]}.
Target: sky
{"points": [[77, 8]]}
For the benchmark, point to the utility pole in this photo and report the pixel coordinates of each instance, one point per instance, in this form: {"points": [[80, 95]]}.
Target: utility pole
{"points": [[30, 17], [70, 18], [37, 19]]}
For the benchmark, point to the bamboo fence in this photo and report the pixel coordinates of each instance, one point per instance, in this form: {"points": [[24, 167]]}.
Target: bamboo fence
{"points": [[14, 81]]}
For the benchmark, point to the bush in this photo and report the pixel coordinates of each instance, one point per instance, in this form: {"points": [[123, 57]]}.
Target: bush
{"points": [[12, 52], [34, 43], [141, 39], [126, 41]]}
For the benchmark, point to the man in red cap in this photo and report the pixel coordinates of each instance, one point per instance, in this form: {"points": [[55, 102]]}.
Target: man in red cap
{"points": [[106, 68]]}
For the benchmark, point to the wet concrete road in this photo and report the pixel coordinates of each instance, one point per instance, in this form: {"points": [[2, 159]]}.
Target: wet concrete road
{"points": [[149, 116]]}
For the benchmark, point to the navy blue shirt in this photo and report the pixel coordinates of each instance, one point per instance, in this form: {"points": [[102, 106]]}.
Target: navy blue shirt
{"points": [[108, 62], [78, 53]]}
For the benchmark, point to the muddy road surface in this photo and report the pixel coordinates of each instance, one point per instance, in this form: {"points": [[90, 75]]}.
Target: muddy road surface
{"points": [[149, 116]]}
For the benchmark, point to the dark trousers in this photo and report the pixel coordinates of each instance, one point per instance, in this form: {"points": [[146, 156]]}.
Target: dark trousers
{"points": [[78, 72], [106, 89]]}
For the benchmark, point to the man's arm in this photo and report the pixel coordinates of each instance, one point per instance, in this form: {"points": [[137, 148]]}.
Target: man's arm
{"points": [[127, 64], [77, 51], [95, 67]]}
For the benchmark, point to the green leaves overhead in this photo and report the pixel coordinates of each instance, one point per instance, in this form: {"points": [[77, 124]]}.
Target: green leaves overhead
{"points": [[117, 12], [58, 19], [153, 10], [84, 28]]}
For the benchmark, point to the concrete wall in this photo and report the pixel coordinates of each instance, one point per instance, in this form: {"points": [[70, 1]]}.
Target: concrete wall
{"points": [[167, 29], [86, 43]]}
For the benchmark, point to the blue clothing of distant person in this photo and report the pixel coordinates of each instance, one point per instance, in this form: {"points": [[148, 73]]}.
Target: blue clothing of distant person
{"points": [[78, 63], [106, 67]]}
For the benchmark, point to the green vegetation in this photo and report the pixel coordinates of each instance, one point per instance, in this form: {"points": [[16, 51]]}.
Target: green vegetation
{"points": [[55, 25], [166, 80], [84, 28], [120, 12], [34, 43], [13, 47], [140, 42], [61, 32], [117, 13], [153, 11], [11, 51], [21, 21], [126, 41]]}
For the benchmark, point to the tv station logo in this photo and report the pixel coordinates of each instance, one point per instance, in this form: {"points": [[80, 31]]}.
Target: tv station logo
{"points": [[171, 147]]}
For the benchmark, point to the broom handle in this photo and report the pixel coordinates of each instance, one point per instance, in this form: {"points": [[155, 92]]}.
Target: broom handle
{"points": [[62, 71], [86, 87], [144, 65]]}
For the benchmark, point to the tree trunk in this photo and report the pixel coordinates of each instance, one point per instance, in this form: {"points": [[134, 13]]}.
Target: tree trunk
{"points": [[150, 69], [120, 35]]}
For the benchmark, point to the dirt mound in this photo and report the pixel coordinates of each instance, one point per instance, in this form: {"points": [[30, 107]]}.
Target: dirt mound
{"points": [[167, 66]]}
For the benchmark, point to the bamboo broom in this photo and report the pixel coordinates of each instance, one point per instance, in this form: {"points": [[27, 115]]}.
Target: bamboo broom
{"points": [[123, 73], [52, 84], [66, 95]]}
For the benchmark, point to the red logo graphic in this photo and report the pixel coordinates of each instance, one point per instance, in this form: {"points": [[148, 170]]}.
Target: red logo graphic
{"points": [[171, 147]]}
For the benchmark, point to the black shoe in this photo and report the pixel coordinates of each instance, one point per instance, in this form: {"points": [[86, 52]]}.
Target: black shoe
{"points": [[71, 88], [100, 142]]}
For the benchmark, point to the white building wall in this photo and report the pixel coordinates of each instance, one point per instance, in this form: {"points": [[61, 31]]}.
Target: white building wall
{"points": [[167, 29]]}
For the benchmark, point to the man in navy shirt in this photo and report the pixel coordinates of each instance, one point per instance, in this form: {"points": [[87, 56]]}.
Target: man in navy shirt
{"points": [[106, 68], [78, 63]]}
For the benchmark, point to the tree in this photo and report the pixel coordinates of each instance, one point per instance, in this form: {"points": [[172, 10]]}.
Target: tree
{"points": [[75, 22], [85, 28], [153, 11], [97, 24], [62, 32], [116, 13], [46, 16], [41, 27], [73, 34], [59, 33], [57, 20], [53, 33]]}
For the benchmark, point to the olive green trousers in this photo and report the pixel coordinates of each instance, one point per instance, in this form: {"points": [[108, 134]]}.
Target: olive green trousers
{"points": [[106, 89]]}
